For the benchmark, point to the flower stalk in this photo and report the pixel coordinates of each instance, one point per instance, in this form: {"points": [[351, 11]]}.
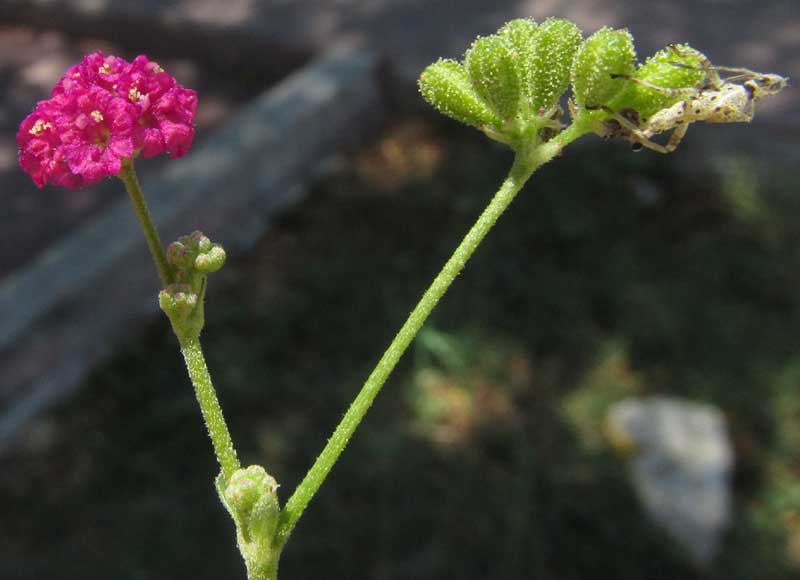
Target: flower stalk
{"points": [[209, 405], [128, 177], [525, 163], [191, 259]]}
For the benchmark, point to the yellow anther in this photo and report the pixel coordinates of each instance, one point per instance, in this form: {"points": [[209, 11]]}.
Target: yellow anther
{"points": [[97, 116], [134, 95], [39, 126], [105, 69]]}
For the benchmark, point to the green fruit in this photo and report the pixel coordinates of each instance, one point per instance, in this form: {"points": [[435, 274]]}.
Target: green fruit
{"points": [[492, 69], [555, 43], [664, 69], [445, 85], [600, 58], [518, 37]]}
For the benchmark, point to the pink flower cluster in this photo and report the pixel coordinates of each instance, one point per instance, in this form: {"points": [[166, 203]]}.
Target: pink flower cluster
{"points": [[103, 110]]}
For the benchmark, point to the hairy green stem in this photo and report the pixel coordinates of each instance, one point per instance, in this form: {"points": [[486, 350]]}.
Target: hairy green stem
{"points": [[209, 405], [525, 163], [267, 572], [128, 177]]}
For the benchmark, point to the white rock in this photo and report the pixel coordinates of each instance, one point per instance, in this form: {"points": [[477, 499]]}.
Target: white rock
{"points": [[681, 468]]}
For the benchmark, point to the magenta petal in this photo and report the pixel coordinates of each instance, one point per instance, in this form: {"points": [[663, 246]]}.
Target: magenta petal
{"points": [[121, 147], [110, 163], [177, 137], [81, 159], [153, 143]]}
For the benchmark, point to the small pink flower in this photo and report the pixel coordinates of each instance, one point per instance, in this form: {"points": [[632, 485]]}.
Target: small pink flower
{"points": [[102, 111], [166, 109], [96, 129], [95, 69], [41, 153]]}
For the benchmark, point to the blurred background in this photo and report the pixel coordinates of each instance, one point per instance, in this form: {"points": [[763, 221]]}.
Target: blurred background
{"points": [[611, 389]]}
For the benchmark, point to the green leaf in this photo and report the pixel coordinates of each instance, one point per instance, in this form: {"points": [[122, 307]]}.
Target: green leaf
{"points": [[605, 53], [445, 85], [555, 43], [492, 69]]}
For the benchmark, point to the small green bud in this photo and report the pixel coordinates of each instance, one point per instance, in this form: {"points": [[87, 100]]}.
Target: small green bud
{"points": [[492, 68], [192, 255], [204, 245], [196, 241], [555, 43], [177, 301], [179, 255], [252, 496], [211, 259], [445, 85], [605, 53], [184, 308]]}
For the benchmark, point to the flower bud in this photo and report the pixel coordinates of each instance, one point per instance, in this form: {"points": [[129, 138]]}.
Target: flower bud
{"points": [[445, 85], [192, 257], [492, 69], [211, 259], [203, 244], [184, 308], [197, 241], [195, 254], [251, 495], [179, 255], [605, 53], [177, 301], [555, 43]]}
